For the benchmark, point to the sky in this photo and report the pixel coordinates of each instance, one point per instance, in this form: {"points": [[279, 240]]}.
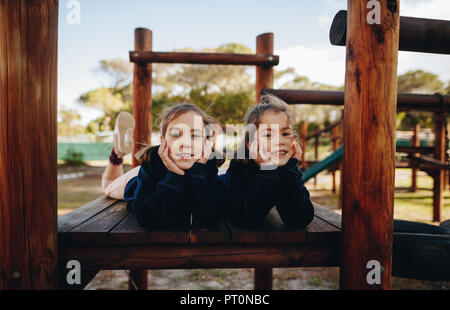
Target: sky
{"points": [[106, 31]]}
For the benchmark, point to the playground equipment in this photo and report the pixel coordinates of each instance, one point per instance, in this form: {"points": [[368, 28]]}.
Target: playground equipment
{"points": [[36, 246]]}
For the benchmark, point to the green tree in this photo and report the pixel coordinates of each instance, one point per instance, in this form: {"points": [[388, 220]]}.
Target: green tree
{"points": [[67, 126], [419, 81], [423, 82]]}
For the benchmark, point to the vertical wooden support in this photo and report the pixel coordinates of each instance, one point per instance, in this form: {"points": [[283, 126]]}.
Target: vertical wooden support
{"points": [[415, 141], [142, 113], [439, 154], [264, 75], [264, 79], [263, 279], [28, 161], [334, 138], [369, 146], [341, 164], [142, 92], [316, 156], [303, 133]]}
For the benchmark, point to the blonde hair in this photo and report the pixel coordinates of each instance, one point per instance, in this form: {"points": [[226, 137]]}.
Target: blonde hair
{"points": [[167, 116]]}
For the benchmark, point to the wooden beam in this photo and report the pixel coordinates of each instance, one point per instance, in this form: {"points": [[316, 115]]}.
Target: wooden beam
{"points": [[439, 154], [416, 34], [322, 97], [142, 113], [147, 56], [369, 145], [28, 139]]}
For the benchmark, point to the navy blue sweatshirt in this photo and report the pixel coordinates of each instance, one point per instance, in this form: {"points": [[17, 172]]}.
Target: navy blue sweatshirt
{"points": [[162, 199], [253, 192]]}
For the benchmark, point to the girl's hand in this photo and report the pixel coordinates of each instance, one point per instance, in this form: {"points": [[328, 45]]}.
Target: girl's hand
{"points": [[163, 152], [297, 151], [206, 152], [259, 154]]}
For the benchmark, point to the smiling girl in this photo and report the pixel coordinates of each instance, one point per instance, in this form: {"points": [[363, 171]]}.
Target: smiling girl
{"points": [[175, 179], [268, 176]]}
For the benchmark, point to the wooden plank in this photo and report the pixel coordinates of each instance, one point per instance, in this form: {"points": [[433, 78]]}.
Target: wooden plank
{"points": [[129, 231], [218, 234], [204, 58], [327, 215], [194, 256], [96, 229], [279, 232], [69, 221], [256, 234], [28, 139], [415, 149], [319, 231]]}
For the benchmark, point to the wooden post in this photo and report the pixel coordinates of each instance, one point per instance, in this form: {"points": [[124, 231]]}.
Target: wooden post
{"points": [[415, 141], [142, 92], [341, 164], [303, 134], [264, 79], [263, 279], [264, 74], [334, 138], [28, 139], [316, 156], [142, 113], [439, 154], [369, 146]]}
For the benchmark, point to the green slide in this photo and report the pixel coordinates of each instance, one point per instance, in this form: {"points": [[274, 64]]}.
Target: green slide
{"points": [[324, 164]]}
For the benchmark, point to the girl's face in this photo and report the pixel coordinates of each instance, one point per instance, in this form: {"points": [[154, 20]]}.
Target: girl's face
{"points": [[185, 136], [276, 134]]}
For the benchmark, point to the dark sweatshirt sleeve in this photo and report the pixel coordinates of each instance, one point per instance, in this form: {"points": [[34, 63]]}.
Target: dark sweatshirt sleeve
{"points": [[208, 194], [294, 206], [159, 203], [250, 204]]}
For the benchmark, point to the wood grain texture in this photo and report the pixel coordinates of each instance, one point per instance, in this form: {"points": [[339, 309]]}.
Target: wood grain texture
{"points": [[439, 154], [176, 256], [142, 92], [264, 74], [28, 116], [415, 34], [420, 102], [369, 144], [203, 58]]}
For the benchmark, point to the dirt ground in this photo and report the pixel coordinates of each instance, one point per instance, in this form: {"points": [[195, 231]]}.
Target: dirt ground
{"points": [[73, 193]]}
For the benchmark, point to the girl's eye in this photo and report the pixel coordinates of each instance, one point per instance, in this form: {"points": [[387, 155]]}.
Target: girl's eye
{"points": [[196, 136], [175, 134], [267, 135], [286, 134]]}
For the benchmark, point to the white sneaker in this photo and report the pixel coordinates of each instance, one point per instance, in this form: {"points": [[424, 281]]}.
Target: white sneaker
{"points": [[123, 132]]}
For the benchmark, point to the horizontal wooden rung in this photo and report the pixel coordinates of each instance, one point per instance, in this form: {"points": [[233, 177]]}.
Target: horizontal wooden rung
{"points": [[405, 101], [204, 58]]}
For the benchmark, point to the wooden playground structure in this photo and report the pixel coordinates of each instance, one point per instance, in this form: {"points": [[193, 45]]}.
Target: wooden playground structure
{"points": [[36, 244]]}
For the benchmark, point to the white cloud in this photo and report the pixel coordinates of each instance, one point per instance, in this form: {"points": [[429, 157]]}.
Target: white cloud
{"points": [[326, 64], [321, 64], [434, 9]]}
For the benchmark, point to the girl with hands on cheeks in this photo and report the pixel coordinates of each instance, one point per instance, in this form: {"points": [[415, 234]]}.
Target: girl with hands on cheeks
{"points": [[268, 175], [178, 179]]}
